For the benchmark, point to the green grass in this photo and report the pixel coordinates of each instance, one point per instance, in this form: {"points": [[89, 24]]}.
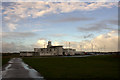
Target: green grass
{"points": [[94, 67], [5, 60]]}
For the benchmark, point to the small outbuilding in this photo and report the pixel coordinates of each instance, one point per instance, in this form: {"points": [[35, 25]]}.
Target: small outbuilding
{"points": [[69, 51], [26, 53]]}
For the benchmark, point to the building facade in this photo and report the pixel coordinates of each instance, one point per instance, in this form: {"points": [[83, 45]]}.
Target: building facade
{"points": [[49, 51]]}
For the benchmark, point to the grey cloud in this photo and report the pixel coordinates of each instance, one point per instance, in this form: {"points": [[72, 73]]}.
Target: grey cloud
{"points": [[42, 38], [17, 34], [115, 22], [72, 19], [13, 47], [88, 36], [85, 36], [96, 27], [58, 35]]}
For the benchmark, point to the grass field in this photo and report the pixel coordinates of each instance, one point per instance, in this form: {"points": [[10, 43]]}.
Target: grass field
{"points": [[94, 67], [7, 57], [5, 60]]}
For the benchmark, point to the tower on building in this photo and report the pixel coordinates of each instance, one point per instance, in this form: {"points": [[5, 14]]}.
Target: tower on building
{"points": [[49, 44]]}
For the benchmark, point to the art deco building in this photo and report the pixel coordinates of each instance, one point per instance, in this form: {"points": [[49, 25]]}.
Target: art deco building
{"points": [[49, 51]]}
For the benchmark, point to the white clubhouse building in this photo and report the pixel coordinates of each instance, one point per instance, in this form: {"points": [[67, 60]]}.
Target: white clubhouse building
{"points": [[49, 51]]}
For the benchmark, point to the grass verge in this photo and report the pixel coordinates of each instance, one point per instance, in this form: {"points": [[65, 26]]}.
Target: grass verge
{"points": [[5, 60], [63, 68]]}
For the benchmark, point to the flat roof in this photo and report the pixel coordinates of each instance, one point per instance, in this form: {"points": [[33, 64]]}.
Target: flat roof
{"points": [[26, 51], [55, 46]]}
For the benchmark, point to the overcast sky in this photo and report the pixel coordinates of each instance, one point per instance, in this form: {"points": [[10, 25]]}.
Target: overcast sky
{"points": [[26, 25]]}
